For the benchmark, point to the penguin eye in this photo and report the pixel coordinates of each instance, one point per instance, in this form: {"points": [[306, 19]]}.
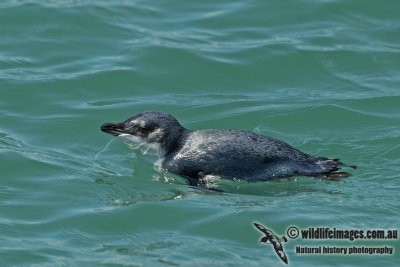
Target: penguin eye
{"points": [[141, 128], [144, 131]]}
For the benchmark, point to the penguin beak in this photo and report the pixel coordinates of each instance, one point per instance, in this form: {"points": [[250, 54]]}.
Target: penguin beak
{"points": [[113, 128]]}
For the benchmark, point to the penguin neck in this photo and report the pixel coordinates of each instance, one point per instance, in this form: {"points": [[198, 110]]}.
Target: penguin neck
{"points": [[176, 141]]}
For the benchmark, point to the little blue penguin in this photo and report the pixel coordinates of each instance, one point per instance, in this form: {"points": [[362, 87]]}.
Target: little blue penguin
{"points": [[230, 154]]}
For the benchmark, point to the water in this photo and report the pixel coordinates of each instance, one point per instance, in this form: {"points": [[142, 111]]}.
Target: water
{"points": [[320, 75]]}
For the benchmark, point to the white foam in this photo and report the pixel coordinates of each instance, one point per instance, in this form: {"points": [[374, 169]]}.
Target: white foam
{"points": [[150, 151]]}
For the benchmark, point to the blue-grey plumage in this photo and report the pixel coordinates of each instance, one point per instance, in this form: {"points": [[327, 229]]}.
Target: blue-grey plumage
{"points": [[231, 154]]}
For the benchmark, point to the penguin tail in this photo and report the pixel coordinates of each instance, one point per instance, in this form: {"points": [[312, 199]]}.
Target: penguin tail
{"points": [[327, 169]]}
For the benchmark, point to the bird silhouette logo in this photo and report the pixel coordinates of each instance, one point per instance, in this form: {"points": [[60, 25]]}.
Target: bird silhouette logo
{"points": [[274, 240]]}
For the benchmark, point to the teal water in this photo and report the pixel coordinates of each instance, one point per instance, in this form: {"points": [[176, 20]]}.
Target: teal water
{"points": [[323, 76]]}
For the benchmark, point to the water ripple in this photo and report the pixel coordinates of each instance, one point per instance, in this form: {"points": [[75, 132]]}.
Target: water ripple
{"points": [[324, 78]]}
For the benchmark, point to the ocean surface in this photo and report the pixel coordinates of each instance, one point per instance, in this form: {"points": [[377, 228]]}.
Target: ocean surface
{"points": [[322, 75]]}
